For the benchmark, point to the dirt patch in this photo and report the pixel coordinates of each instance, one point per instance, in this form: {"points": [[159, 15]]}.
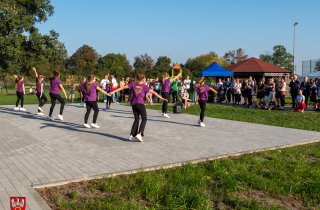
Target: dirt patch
{"points": [[268, 200], [312, 159]]}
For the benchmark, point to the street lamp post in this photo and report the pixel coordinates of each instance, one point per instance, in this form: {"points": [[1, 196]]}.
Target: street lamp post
{"points": [[294, 47]]}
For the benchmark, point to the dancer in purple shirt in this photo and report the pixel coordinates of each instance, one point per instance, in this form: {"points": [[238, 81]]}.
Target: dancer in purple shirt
{"points": [[138, 91], [202, 97], [20, 92], [39, 88], [91, 88]]}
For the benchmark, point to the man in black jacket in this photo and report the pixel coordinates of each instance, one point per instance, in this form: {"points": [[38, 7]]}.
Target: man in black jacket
{"points": [[294, 88], [306, 87]]}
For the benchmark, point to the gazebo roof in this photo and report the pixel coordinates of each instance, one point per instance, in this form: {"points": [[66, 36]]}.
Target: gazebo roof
{"points": [[254, 65]]}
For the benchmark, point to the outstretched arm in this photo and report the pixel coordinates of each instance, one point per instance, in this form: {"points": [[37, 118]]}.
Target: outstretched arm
{"points": [[117, 90], [156, 94], [102, 91], [174, 78], [213, 90]]}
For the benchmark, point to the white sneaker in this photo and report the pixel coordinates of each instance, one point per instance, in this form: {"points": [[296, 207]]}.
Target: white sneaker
{"points": [[116, 102], [16, 108], [166, 115], [131, 138], [199, 122], [39, 108], [95, 125], [50, 118], [86, 125], [105, 101], [139, 138], [40, 113], [202, 125], [60, 117], [161, 113], [301, 111], [22, 109], [185, 107], [84, 105]]}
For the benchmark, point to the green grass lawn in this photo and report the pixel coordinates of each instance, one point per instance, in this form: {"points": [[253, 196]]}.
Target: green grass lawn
{"points": [[279, 179], [281, 118]]}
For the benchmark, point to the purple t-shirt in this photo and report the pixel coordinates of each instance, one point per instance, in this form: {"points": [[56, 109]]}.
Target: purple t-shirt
{"points": [[165, 85], [92, 93], [138, 92], [54, 85], [20, 89], [202, 92], [108, 89], [38, 87], [83, 84]]}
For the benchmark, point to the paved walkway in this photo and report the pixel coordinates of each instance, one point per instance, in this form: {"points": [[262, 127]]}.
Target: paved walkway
{"points": [[35, 151]]}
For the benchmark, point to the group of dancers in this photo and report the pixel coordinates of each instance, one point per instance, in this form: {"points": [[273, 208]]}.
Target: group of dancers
{"points": [[138, 90]]}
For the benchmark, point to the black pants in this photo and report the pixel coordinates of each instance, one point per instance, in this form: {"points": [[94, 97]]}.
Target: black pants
{"points": [[42, 101], [282, 99], [165, 104], [94, 106], [293, 97], [202, 104], [139, 109], [229, 95], [188, 90], [83, 96], [55, 97], [233, 98], [109, 98], [174, 96], [20, 96], [237, 98], [249, 98]]}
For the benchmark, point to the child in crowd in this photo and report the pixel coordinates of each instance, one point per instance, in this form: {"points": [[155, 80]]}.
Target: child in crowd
{"points": [[31, 91], [262, 104], [108, 90], [300, 102], [149, 95], [254, 104], [71, 96], [184, 99], [272, 104]]}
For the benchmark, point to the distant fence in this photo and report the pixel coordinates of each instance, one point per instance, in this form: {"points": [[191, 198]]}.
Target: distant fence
{"points": [[310, 66]]}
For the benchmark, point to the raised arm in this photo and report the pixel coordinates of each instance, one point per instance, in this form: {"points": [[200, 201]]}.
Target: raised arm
{"points": [[35, 71], [174, 78], [213, 90], [61, 86]]}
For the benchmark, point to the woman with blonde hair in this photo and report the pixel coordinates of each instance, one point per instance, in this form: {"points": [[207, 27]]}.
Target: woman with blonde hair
{"points": [[55, 86], [138, 91], [202, 97]]}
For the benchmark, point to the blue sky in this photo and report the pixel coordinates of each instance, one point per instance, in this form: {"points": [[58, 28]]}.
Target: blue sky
{"points": [[185, 29]]}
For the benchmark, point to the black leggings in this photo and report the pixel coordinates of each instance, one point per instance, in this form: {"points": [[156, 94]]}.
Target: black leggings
{"points": [[282, 99], [293, 97], [202, 104], [55, 97], [108, 100], [20, 96], [94, 106], [83, 95], [139, 109], [41, 102], [165, 103], [237, 98]]}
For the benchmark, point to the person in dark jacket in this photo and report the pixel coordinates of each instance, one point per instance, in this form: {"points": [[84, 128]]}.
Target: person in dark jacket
{"points": [[306, 87], [294, 88]]}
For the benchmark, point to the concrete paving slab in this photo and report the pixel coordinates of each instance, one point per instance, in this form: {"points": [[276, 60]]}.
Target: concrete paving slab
{"points": [[37, 152]]}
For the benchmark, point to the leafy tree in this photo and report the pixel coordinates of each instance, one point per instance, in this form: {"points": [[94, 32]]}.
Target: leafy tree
{"points": [[116, 64], [317, 66], [143, 62], [21, 45], [235, 56], [59, 57], [280, 57], [84, 60]]}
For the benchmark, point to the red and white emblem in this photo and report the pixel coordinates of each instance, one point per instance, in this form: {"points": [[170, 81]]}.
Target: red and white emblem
{"points": [[18, 203]]}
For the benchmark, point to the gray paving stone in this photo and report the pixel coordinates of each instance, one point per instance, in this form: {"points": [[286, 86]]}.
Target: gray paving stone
{"points": [[34, 150]]}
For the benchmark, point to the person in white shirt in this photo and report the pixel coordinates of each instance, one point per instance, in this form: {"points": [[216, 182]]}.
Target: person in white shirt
{"points": [[282, 87], [300, 102], [187, 83], [219, 84], [184, 99], [103, 83], [115, 98]]}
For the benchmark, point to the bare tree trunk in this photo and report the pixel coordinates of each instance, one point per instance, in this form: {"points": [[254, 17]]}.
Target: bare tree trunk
{"points": [[5, 84]]}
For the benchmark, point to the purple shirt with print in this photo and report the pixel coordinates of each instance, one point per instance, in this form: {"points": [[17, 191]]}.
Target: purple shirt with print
{"points": [[54, 85], [138, 92], [165, 85], [92, 93], [108, 89], [20, 89], [38, 87], [202, 91]]}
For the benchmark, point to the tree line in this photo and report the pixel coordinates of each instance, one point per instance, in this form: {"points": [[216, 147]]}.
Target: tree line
{"points": [[22, 46]]}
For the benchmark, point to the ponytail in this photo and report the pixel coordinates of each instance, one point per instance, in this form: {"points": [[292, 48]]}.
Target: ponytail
{"points": [[89, 79], [16, 81], [56, 74], [139, 77], [164, 75], [38, 80]]}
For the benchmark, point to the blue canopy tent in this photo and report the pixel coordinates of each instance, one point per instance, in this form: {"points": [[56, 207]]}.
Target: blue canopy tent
{"points": [[215, 70]]}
